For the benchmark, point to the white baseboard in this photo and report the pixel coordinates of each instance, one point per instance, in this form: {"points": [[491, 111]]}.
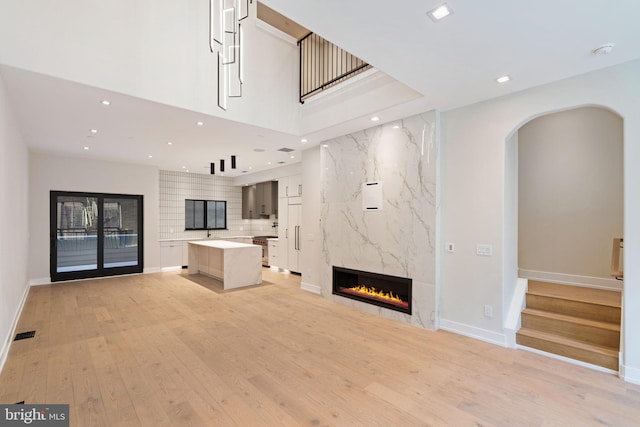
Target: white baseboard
{"points": [[151, 270], [310, 288], [518, 302], [41, 281], [629, 374], [176, 268], [9, 339], [572, 279], [474, 332]]}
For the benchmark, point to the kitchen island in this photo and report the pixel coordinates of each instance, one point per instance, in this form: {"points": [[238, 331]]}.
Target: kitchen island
{"points": [[235, 264]]}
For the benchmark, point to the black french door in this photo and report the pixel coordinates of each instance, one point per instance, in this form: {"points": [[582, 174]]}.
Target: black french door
{"points": [[95, 235]]}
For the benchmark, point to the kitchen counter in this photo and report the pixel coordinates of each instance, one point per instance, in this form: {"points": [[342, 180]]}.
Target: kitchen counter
{"points": [[235, 264]]}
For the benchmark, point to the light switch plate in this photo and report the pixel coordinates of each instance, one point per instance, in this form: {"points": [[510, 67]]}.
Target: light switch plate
{"points": [[484, 250]]}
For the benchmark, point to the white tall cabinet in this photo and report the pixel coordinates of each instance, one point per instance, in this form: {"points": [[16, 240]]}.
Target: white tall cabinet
{"points": [[290, 222]]}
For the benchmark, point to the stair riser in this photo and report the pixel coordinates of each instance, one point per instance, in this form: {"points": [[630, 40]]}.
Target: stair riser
{"points": [[570, 352], [576, 331], [574, 308]]}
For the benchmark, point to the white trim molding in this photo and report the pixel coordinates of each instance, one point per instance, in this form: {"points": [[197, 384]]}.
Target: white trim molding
{"points": [[314, 289], [474, 332], [41, 281], [12, 331], [518, 302], [629, 374], [572, 279]]}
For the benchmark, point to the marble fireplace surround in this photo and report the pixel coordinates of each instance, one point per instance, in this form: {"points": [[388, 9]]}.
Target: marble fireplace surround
{"points": [[398, 240]]}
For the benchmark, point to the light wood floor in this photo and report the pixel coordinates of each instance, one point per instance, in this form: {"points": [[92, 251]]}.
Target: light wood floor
{"points": [[164, 350]]}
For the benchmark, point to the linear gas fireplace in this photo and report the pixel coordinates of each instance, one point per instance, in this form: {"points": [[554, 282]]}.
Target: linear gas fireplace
{"points": [[382, 290]]}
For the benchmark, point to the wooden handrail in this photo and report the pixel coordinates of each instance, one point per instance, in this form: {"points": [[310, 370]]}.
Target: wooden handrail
{"points": [[616, 268]]}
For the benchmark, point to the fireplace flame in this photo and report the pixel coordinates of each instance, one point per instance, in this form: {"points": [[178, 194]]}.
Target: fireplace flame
{"points": [[373, 292]]}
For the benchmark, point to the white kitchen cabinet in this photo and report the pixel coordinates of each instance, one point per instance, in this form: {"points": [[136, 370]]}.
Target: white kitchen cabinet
{"points": [[283, 215], [282, 188], [290, 186], [294, 240], [274, 255], [171, 253], [294, 186]]}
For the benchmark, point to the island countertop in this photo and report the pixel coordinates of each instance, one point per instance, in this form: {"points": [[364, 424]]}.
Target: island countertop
{"points": [[221, 244], [235, 264]]}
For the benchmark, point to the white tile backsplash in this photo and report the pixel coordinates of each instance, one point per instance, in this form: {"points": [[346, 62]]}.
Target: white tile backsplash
{"points": [[175, 187]]}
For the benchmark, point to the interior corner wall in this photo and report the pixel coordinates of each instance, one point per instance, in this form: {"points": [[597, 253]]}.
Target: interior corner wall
{"points": [[570, 192], [56, 173], [472, 176], [14, 227]]}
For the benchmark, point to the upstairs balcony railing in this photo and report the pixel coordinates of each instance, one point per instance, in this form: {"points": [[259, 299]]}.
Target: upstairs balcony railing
{"points": [[324, 65]]}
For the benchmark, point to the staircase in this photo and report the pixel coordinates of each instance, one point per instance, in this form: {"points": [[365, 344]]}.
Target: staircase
{"points": [[571, 321]]}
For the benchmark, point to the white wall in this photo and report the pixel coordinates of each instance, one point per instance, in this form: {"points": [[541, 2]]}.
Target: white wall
{"points": [[473, 193], [49, 172], [156, 50], [570, 192], [311, 247], [14, 230]]}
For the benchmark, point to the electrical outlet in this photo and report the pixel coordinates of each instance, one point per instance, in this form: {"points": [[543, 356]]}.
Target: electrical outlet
{"points": [[488, 311]]}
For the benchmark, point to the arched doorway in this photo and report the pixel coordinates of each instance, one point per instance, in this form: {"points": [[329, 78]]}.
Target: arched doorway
{"points": [[564, 198]]}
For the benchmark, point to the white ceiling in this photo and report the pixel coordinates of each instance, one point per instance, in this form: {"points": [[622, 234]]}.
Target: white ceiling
{"points": [[452, 63]]}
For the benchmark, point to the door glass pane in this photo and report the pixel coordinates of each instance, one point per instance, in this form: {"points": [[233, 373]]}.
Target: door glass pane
{"points": [[76, 233], [120, 232]]}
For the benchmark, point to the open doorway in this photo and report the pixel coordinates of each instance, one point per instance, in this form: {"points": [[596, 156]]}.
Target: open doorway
{"points": [[570, 195]]}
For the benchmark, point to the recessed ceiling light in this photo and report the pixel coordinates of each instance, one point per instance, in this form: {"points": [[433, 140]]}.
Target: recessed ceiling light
{"points": [[199, 123], [105, 102], [86, 148], [325, 145], [375, 118], [303, 140], [150, 156], [94, 130], [169, 143], [250, 167], [396, 127], [503, 79], [293, 157], [440, 12], [268, 163], [184, 167]]}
